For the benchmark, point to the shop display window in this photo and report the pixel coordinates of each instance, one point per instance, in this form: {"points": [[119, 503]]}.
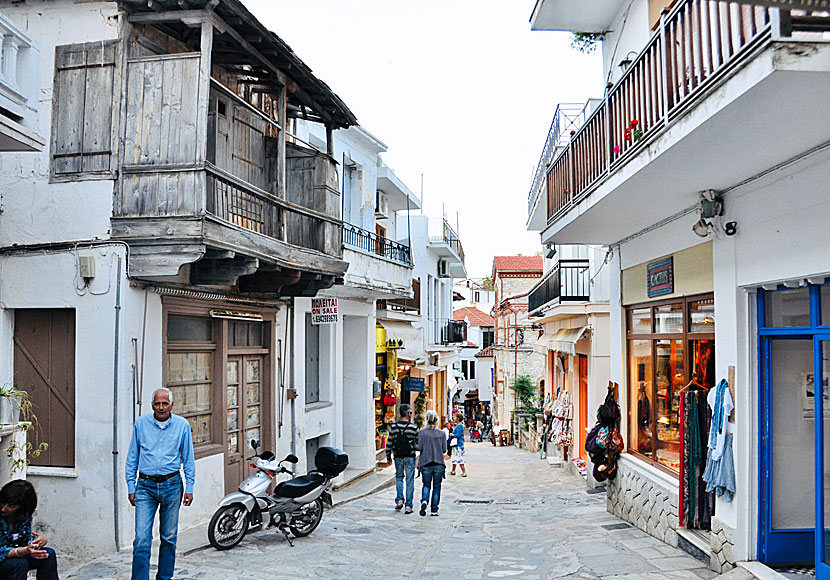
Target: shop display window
{"points": [[824, 299], [662, 363], [787, 308]]}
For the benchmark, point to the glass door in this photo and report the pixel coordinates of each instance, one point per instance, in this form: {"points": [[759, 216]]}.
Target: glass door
{"points": [[820, 405]]}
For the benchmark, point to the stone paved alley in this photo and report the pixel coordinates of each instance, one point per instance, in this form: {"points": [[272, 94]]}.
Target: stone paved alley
{"points": [[541, 524]]}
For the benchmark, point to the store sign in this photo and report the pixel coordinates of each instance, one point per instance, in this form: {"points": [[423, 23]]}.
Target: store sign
{"points": [[660, 277], [414, 384], [790, 4], [323, 310]]}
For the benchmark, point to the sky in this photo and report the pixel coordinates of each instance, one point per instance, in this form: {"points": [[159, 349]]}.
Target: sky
{"points": [[461, 92]]}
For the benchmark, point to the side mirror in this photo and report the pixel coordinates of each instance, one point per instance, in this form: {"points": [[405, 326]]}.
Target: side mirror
{"points": [[254, 444], [291, 459]]}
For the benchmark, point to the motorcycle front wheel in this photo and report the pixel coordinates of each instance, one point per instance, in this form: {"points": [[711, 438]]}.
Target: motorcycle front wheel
{"points": [[307, 518], [228, 526]]}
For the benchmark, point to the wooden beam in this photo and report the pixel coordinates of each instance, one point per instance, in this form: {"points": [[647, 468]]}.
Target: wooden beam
{"points": [[206, 48], [169, 16]]}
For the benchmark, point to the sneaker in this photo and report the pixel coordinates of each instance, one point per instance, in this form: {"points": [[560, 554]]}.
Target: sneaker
{"points": [[408, 510], [423, 511], [464, 474], [399, 505], [435, 513]]}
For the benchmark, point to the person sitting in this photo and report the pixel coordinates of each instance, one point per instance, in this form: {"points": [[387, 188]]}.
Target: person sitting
{"points": [[21, 549]]}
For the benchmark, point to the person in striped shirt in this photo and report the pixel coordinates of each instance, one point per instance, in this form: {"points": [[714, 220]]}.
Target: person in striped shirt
{"points": [[403, 442]]}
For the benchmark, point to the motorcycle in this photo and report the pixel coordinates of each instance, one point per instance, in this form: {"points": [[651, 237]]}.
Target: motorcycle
{"points": [[296, 506]]}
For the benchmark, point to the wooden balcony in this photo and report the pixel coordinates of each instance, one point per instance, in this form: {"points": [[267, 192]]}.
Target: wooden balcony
{"points": [[680, 119]]}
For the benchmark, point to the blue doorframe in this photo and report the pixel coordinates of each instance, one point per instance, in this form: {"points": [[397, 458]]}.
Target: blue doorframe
{"points": [[790, 545]]}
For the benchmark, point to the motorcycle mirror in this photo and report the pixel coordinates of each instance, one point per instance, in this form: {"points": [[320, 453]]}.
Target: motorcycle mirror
{"points": [[254, 444], [291, 458]]}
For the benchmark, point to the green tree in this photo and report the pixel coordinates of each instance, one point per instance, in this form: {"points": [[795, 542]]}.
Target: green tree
{"points": [[525, 391]]}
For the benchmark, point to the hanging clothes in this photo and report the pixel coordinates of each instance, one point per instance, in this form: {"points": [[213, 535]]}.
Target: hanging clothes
{"points": [[697, 503], [720, 467]]}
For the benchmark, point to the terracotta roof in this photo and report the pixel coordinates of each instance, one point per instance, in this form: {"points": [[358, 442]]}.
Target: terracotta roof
{"points": [[475, 316], [517, 264], [470, 345], [485, 352]]}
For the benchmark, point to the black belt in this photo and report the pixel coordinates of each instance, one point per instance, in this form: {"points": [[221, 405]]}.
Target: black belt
{"points": [[158, 478]]}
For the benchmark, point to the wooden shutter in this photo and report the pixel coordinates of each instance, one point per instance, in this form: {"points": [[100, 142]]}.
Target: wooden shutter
{"points": [[44, 367], [83, 109]]}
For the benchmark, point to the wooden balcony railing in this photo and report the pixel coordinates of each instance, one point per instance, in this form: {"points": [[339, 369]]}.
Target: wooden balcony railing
{"points": [[697, 42], [567, 281]]}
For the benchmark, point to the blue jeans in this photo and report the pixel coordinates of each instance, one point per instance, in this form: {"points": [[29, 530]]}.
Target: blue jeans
{"points": [[405, 466], [166, 497], [18, 568], [432, 477]]}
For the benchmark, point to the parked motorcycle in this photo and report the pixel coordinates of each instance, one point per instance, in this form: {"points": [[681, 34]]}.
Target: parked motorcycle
{"points": [[296, 504]]}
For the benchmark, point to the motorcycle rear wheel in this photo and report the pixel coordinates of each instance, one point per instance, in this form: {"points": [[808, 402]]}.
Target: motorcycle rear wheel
{"points": [[228, 526], [303, 523]]}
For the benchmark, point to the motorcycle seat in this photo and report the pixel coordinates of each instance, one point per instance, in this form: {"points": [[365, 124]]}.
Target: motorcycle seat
{"points": [[299, 486]]}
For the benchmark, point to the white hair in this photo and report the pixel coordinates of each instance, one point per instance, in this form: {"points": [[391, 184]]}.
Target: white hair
{"points": [[164, 390], [432, 419]]}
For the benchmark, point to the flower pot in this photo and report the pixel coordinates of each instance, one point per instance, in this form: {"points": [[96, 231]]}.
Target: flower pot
{"points": [[9, 410]]}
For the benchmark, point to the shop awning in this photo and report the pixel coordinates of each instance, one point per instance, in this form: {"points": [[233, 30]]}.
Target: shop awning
{"points": [[565, 339], [427, 368], [403, 331]]}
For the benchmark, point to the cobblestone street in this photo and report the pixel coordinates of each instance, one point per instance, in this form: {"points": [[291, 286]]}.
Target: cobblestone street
{"points": [[541, 524]]}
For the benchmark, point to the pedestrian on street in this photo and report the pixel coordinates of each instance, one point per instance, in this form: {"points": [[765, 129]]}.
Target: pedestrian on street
{"points": [[161, 445], [403, 442], [458, 450], [433, 445], [21, 549]]}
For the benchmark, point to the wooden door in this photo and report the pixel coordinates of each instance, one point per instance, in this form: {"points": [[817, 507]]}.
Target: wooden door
{"points": [[244, 391], [583, 406], [44, 367]]}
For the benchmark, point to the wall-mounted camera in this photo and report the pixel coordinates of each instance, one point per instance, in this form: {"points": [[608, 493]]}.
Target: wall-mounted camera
{"points": [[730, 228]]}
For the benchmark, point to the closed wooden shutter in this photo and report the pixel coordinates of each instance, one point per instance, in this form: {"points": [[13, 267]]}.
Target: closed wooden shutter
{"points": [[83, 109], [44, 367]]}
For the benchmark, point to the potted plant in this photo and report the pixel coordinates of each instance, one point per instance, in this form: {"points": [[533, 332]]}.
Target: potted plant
{"points": [[14, 404], [11, 403]]}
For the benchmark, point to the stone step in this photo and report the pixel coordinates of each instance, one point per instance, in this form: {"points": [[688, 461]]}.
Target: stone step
{"points": [[694, 544], [736, 574]]}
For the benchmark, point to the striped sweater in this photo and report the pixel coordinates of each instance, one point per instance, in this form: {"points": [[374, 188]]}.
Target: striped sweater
{"points": [[402, 429]]}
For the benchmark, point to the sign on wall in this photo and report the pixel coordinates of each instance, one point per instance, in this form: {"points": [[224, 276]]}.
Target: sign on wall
{"points": [[660, 277], [324, 311], [414, 384]]}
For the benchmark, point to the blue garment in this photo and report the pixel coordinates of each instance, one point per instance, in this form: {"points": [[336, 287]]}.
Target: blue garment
{"points": [[157, 451], [24, 530], [18, 568], [432, 476], [166, 497], [720, 473], [458, 433], [405, 467]]}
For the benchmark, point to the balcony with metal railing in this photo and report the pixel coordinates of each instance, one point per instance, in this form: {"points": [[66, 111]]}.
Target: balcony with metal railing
{"points": [[378, 267], [445, 242], [719, 93], [376, 245], [567, 281], [446, 331]]}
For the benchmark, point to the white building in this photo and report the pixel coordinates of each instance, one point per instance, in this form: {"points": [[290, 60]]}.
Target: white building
{"points": [[703, 170], [476, 376], [161, 240]]}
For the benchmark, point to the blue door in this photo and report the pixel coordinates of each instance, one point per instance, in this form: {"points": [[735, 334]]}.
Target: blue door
{"points": [[794, 348]]}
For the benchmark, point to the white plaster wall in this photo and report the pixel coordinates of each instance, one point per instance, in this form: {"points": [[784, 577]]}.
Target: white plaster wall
{"points": [[357, 410], [371, 274], [629, 32], [34, 210]]}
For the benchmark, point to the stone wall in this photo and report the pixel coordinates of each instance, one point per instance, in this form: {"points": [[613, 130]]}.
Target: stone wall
{"points": [[723, 545], [644, 501]]}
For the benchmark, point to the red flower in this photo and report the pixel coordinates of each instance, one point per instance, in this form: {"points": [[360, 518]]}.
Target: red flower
{"points": [[634, 122], [627, 134], [564, 191]]}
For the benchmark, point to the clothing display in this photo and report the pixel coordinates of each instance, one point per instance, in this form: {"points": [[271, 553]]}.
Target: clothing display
{"points": [[604, 442], [698, 504], [720, 467], [561, 429]]}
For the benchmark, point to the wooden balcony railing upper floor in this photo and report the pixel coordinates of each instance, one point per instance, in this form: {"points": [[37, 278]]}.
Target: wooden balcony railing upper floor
{"points": [[697, 43], [189, 111]]}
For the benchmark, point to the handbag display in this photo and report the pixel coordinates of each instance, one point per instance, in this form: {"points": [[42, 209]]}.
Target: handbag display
{"points": [[389, 398]]}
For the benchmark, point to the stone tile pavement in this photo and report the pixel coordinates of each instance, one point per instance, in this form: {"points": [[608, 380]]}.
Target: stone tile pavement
{"points": [[538, 523]]}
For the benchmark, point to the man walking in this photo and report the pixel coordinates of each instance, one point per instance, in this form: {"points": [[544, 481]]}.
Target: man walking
{"points": [[403, 441], [160, 446]]}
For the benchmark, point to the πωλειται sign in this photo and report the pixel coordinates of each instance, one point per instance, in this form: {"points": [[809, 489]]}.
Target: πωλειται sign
{"points": [[324, 310]]}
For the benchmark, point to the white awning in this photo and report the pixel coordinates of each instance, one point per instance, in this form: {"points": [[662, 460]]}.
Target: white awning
{"points": [[565, 339], [428, 368], [403, 331]]}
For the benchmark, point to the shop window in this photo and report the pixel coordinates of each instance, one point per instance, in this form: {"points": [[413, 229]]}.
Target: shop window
{"points": [[787, 308], [189, 329], [662, 364], [824, 297]]}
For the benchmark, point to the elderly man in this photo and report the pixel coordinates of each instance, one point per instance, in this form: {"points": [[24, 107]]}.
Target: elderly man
{"points": [[161, 445]]}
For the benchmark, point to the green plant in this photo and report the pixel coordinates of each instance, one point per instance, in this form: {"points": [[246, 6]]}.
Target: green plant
{"points": [[19, 454], [585, 42], [525, 391]]}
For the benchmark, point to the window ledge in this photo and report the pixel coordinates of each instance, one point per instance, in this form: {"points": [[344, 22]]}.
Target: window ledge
{"points": [[651, 471], [206, 450], [39, 470], [318, 405]]}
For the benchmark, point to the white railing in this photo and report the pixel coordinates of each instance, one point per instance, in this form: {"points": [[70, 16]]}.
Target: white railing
{"points": [[19, 59]]}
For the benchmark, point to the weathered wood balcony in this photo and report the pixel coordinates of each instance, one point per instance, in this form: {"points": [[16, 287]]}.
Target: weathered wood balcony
{"points": [[633, 144]]}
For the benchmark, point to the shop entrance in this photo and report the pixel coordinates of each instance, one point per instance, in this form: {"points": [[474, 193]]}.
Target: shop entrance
{"points": [[244, 400], [795, 426], [583, 406]]}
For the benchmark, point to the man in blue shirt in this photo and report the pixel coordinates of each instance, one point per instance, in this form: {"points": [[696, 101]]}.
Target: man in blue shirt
{"points": [[160, 446]]}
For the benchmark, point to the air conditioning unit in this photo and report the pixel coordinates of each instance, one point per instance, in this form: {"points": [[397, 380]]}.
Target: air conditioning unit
{"points": [[443, 269], [381, 205]]}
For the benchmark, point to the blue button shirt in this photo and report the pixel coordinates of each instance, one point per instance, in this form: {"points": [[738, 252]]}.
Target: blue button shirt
{"points": [[157, 451]]}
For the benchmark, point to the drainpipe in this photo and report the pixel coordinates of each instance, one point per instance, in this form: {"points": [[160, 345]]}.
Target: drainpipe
{"points": [[293, 382], [115, 407]]}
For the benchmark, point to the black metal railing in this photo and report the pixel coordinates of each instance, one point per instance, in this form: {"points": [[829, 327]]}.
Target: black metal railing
{"points": [[447, 331], [373, 243], [567, 281], [443, 233]]}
